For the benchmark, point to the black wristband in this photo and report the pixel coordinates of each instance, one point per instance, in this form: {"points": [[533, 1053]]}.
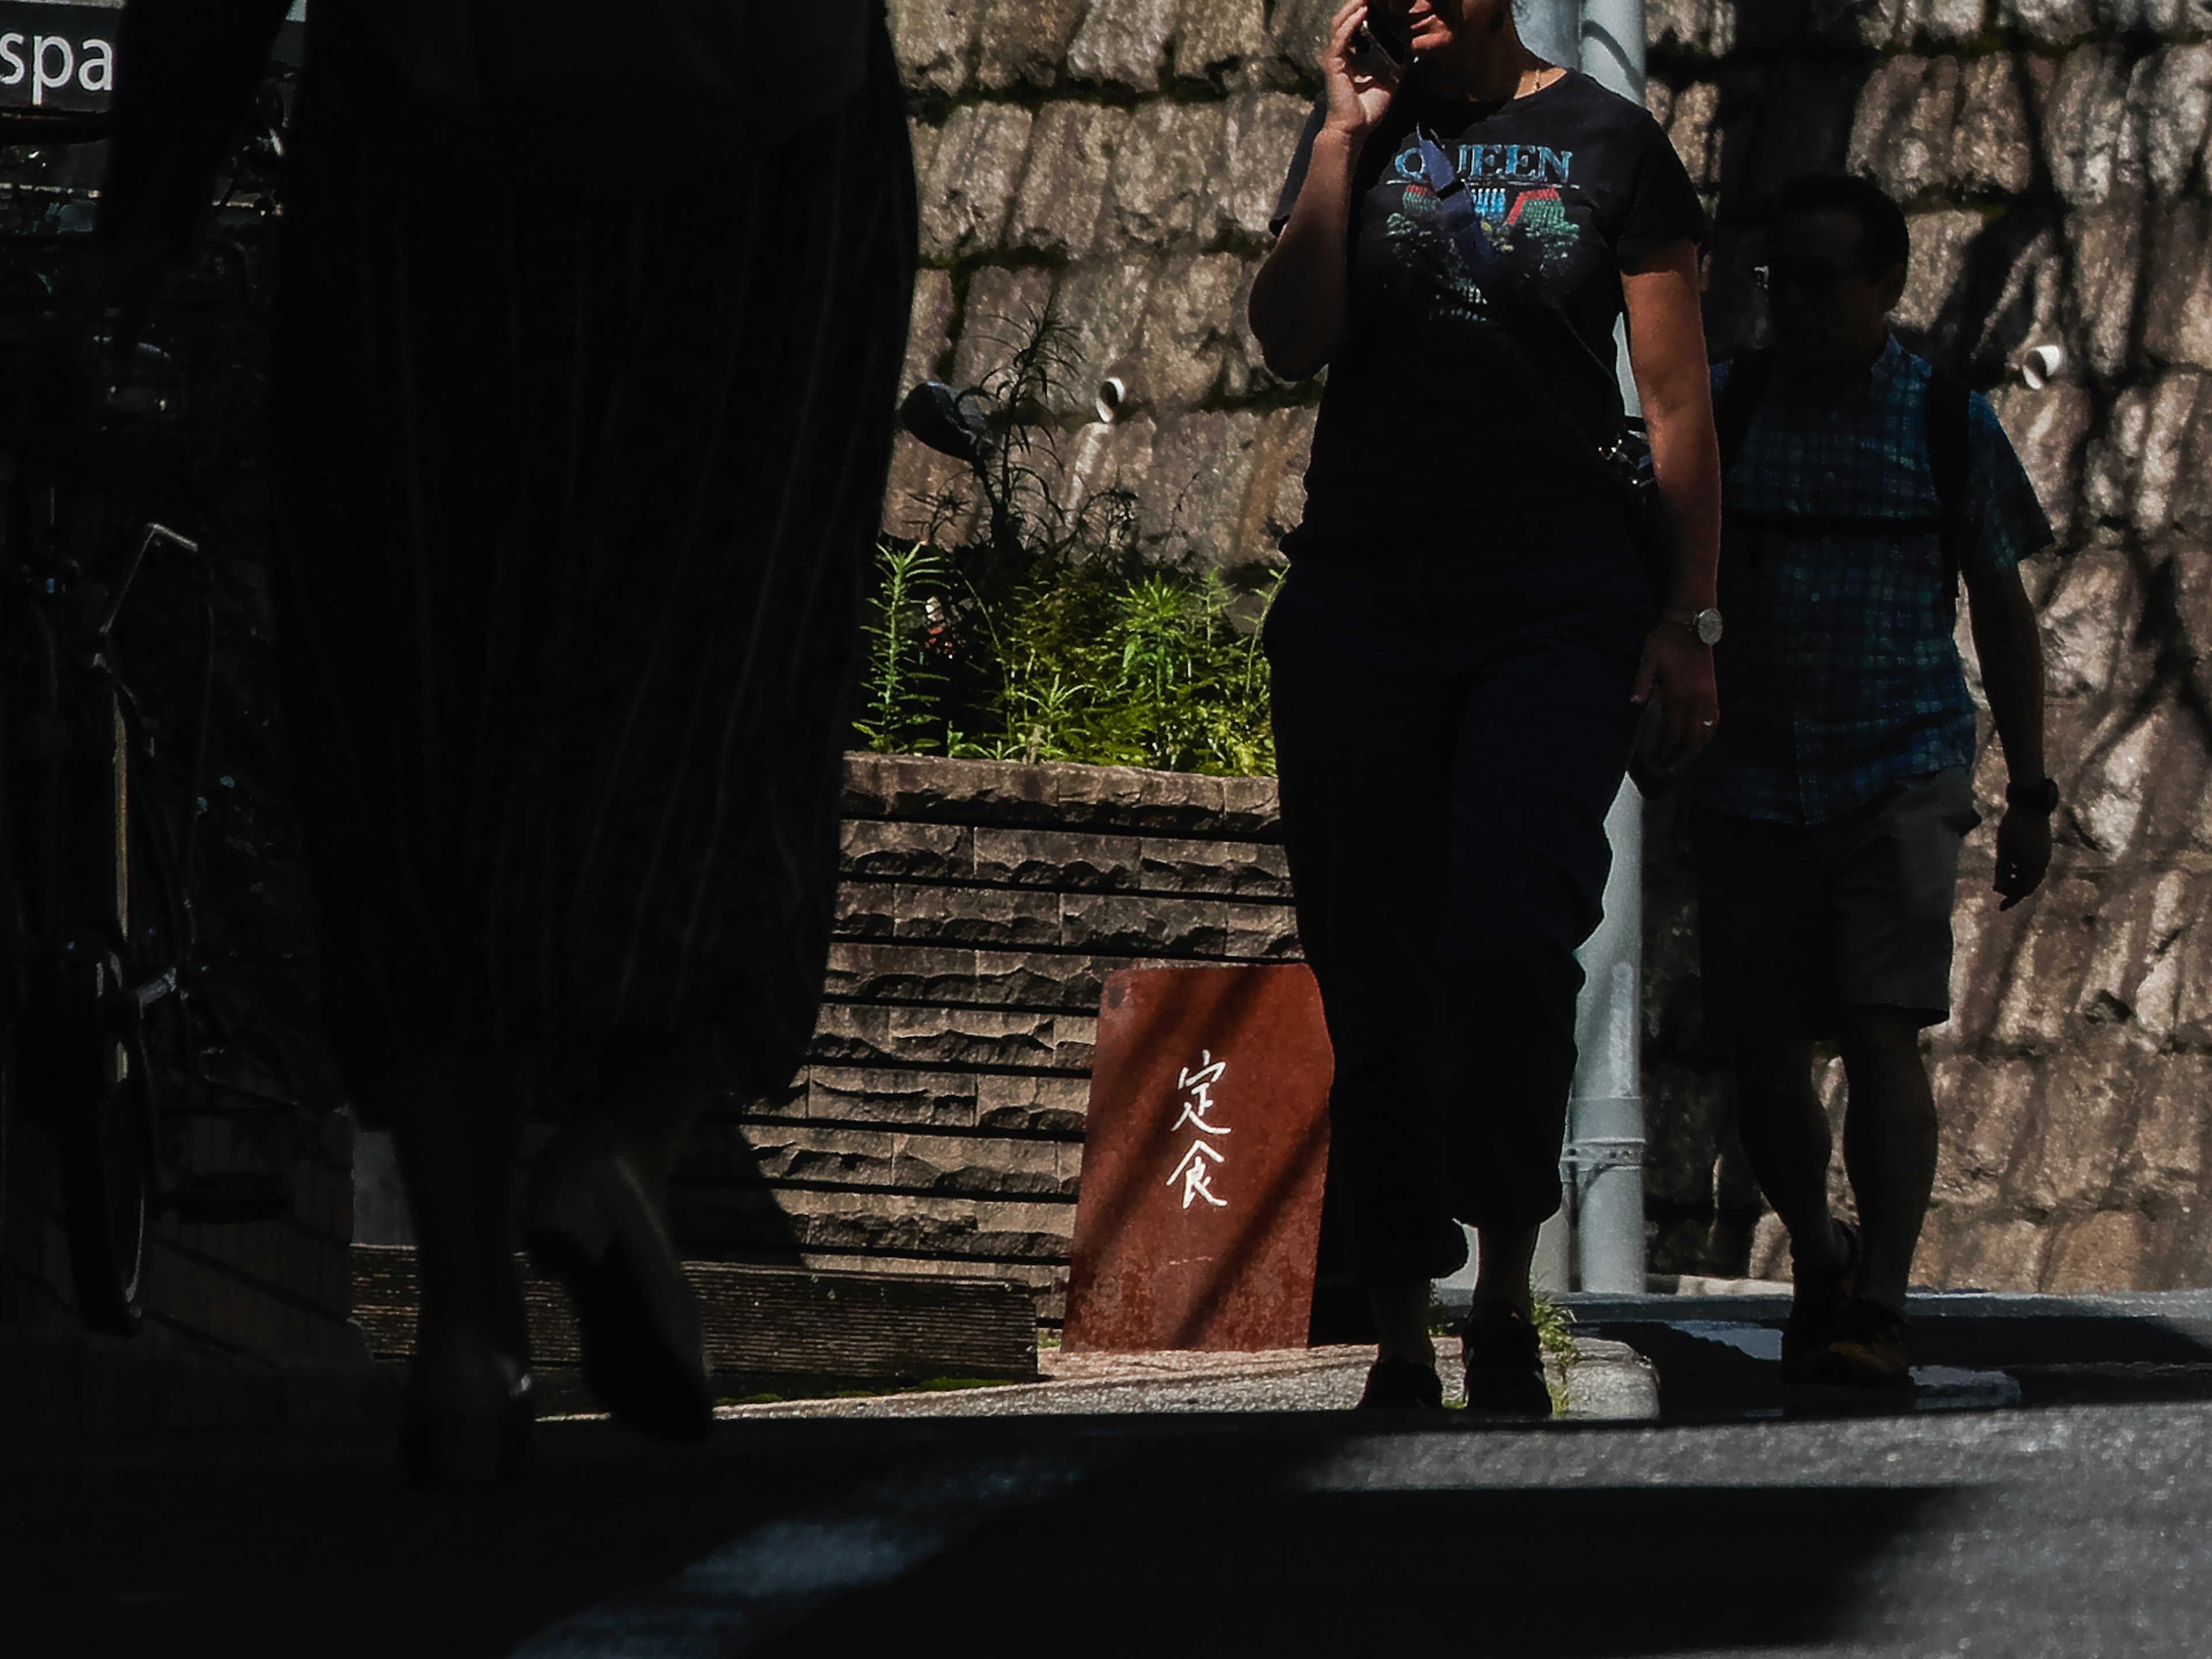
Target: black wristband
{"points": [[2041, 796]]}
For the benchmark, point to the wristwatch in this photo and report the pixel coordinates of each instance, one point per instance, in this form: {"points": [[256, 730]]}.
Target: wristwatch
{"points": [[2041, 796], [1704, 625]]}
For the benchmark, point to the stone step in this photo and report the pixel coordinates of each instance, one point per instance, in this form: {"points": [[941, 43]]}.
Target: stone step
{"points": [[1100, 924], [922, 788], [726, 1218], [851, 1034], [1059, 860]]}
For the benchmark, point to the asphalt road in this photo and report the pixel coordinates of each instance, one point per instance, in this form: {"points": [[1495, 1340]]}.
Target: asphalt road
{"points": [[2068, 1531]]}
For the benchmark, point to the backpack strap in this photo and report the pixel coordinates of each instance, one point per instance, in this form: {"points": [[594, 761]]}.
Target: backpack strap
{"points": [[1949, 413]]}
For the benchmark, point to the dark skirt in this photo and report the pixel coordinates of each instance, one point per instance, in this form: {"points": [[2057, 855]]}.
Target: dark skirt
{"points": [[584, 458]]}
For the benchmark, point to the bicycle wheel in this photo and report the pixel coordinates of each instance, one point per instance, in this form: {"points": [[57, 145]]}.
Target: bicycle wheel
{"points": [[103, 1085]]}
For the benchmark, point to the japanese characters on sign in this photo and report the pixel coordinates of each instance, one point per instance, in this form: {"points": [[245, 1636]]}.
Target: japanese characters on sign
{"points": [[1200, 1161]]}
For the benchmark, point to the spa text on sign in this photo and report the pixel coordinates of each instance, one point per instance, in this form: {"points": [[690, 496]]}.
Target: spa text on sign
{"points": [[59, 57]]}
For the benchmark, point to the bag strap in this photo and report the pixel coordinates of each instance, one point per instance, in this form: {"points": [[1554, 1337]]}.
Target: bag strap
{"points": [[1948, 414]]}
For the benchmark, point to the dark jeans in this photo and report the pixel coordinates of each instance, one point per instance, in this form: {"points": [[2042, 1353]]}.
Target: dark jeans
{"points": [[1451, 727]]}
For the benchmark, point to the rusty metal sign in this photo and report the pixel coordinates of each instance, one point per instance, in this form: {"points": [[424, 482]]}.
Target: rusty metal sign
{"points": [[1203, 1159]]}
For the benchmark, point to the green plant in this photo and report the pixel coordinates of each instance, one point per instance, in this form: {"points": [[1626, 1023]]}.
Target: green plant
{"points": [[902, 687], [1053, 637]]}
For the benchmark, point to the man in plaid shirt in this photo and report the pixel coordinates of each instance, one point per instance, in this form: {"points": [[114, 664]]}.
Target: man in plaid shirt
{"points": [[1862, 486]]}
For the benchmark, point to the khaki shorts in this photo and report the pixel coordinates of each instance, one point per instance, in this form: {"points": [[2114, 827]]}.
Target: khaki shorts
{"points": [[1797, 920]]}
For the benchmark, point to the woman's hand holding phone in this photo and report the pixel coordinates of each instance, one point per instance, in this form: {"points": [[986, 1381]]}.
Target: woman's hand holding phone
{"points": [[1360, 71]]}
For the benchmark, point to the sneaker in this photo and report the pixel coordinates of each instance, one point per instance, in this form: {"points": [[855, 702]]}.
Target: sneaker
{"points": [[1402, 1385], [1504, 1363], [1816, 1303], [1872, 1348]]}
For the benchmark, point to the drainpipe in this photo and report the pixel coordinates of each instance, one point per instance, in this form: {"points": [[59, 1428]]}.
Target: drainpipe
{"points": [[1602, 1164]]}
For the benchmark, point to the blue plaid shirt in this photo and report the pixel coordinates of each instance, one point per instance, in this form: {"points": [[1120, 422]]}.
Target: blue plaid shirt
{"points": [[1840, 675]]}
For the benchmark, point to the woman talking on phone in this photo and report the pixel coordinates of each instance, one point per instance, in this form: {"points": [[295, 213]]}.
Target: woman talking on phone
{"points": [[1471, 629]]}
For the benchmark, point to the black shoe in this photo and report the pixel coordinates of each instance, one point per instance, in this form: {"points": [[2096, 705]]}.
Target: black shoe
{"points": [[1402, 1385], [591, 1224], [1816, 1308], [1504, 1363], [1872, 1348]]}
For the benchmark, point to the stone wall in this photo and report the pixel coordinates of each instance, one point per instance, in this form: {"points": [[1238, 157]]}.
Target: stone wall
{"points": [[938, 1126], [2052, 156], [1121, 156]]}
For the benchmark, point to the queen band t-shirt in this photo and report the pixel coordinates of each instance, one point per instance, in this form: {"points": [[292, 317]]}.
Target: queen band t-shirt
{"points": [[1477, 375]]}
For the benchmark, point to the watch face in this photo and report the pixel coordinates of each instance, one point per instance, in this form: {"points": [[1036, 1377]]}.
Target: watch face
{"points": [[1709, 627]]}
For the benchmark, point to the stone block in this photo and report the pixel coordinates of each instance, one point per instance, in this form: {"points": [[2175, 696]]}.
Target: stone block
{"points": [[929, 326], [1941, 244], [2093, 139], [1297, 31], [2165, 1158], [1993, 148], [1214, 868], [1940, 21], [2177, 93], [2106, 1251], [1072, 151], [922, 138], [970, 191], [1257, 135], [2111, 787], [1057, 859], [884, 1158], [2107, 249], [1190, 323], [934, 41], [877, 1094], [1984, 1108], [1024, 42], [1164, 185], [2055, 22], [988, 918], [2132, 975], [1116, 924], [1202, 468], [2177, 320], [1275, 494], [2085, 621], [1102, 471], [1033, 1104], [2081, 1122], [875, 850], [2034, 983], [928, 496], [1692, 124], [1123, 43], [1988, 1253], [1101, 308], [1213, 36], [1003, 310], [1901, 135]]}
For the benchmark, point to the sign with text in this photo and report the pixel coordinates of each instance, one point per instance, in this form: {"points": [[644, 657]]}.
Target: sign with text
{"points": [[57, 58], [1203, 1159]]}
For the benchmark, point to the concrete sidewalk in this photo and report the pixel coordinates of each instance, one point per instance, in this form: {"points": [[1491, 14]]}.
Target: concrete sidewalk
{"points": [[1607, 1380]]}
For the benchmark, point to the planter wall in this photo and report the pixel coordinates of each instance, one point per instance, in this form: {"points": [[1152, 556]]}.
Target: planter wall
{"points": [[938, 1126]]}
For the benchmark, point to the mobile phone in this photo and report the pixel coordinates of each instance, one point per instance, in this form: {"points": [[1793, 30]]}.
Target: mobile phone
{"points": [[1376, 34]]}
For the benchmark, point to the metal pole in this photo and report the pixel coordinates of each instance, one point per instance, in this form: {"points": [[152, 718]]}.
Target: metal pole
{"points": [[1602, 1164], [1549, 29]]}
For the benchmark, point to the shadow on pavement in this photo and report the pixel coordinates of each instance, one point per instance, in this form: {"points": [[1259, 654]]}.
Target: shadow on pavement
{"points": [[1226, 1533]]}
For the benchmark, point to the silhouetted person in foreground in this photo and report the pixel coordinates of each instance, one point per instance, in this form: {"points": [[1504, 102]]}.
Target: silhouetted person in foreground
{"points": [[1469, 623], [589, 333], [1862, 486]]}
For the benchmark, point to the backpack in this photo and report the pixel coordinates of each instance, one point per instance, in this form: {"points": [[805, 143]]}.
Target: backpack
{"points": [[1946, 414]]}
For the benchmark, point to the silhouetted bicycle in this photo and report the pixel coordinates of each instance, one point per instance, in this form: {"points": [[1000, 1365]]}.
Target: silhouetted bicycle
{"points": [[98, 864]]}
